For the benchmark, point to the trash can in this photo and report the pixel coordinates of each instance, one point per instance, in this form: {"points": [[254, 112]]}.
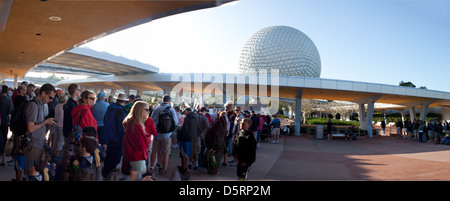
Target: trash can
{"points": [[319, 132]]}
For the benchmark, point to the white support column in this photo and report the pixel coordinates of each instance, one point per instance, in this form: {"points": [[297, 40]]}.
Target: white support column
{"points": [[126, 88], [423, 112], [365, 120], [362, 116], [412, 113], [15, 81], [298, 111], [369, 118]]}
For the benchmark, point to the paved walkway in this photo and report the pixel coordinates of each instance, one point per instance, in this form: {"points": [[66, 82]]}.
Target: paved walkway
{"points": [[305, 158]]}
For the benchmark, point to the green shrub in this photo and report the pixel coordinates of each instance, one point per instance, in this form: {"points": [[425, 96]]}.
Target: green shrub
{"points": [[324, 121]]}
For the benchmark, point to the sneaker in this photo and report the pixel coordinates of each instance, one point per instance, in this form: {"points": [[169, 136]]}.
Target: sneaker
{"points": [[278, 141], [273, 141], [233, 164]]}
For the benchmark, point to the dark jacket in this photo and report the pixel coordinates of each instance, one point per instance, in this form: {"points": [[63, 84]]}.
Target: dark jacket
{"points": [[113, 130], [255, 123], [189, 128], [215, 136], [67, 123], [203, 125], [6, 108], [246, 150]]}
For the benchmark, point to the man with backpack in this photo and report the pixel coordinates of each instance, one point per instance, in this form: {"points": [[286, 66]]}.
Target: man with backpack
{"points": [[36, 125], [165, 119]]}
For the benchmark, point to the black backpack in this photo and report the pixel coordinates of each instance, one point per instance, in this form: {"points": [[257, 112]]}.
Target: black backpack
{"points": [[166, 123], [18, 124]]}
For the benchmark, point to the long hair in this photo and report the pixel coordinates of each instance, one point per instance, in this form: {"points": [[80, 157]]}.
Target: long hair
{"points": [[84, 95], [136, 114]]}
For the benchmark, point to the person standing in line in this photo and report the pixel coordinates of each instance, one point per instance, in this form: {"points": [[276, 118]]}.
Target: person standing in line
{"points": [[187, 133], [98, 111], [399, 126], [30, 91], [215, 143], [275, 129], [246, 150], [58, 136], [74, 93], [85, 103], [437, 129], [136, 139], [235, 132], [259, 130], [84, 165], [162, 144], [203, 126], [421, 131], [255, 120], [6, 108], [113, 135], [329, 129], [36, 122], [23, 86], [430, 131], [175, 132], [150, 128]]}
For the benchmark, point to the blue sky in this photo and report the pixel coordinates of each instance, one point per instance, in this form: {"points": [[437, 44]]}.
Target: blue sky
{"points": [[379, 41]]}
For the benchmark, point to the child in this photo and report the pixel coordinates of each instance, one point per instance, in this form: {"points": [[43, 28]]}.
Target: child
{"points": [[84, 166], [35, 174], [90, 131], [246, 149]]}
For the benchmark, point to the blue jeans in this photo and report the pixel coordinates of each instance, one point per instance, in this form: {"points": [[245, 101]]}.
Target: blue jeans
{"points": [[258, 134], [230, 145]]}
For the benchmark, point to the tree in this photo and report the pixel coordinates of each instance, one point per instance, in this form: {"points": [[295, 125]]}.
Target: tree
{"points": [[407, 84], [308, 106]]}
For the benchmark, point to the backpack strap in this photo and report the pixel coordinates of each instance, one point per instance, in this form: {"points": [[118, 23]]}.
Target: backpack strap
{"points": [[79, 121]]}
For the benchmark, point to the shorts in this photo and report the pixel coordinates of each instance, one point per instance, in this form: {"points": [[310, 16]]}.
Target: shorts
{"points": [[138, 166], [162, 146], [58, 138], [437, 135], [276, 131], [185, 149], [196, 145], [32, 155], [19, 162]]}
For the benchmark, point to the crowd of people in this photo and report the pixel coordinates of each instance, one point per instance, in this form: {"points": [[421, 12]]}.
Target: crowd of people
{"points": [[90, 136], [433, 131]]}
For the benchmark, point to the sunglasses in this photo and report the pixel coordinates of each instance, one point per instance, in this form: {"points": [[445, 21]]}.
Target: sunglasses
{"points": [[49, 97], [148, 110], [92, 98]]}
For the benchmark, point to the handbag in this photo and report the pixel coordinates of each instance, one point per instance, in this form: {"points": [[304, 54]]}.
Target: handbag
{"points": [[76, 132]]}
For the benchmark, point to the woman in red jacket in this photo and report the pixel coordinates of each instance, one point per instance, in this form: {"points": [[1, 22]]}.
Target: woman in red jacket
{"points": [[136, 140], [86, 101]]}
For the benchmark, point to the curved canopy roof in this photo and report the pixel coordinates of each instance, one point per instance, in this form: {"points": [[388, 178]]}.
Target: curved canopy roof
{"points": [[284, 86], [33, 31], [88, 61]]}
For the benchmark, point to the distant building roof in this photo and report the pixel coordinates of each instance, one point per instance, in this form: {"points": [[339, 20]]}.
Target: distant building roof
{"points": [[90, 62]]}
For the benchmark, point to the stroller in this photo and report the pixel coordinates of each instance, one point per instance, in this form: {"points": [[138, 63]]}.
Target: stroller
{"points": [[265, 133], [446, 139]]}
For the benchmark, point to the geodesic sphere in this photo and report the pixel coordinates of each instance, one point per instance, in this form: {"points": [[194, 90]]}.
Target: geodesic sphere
{"points": [[280, 47]]}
